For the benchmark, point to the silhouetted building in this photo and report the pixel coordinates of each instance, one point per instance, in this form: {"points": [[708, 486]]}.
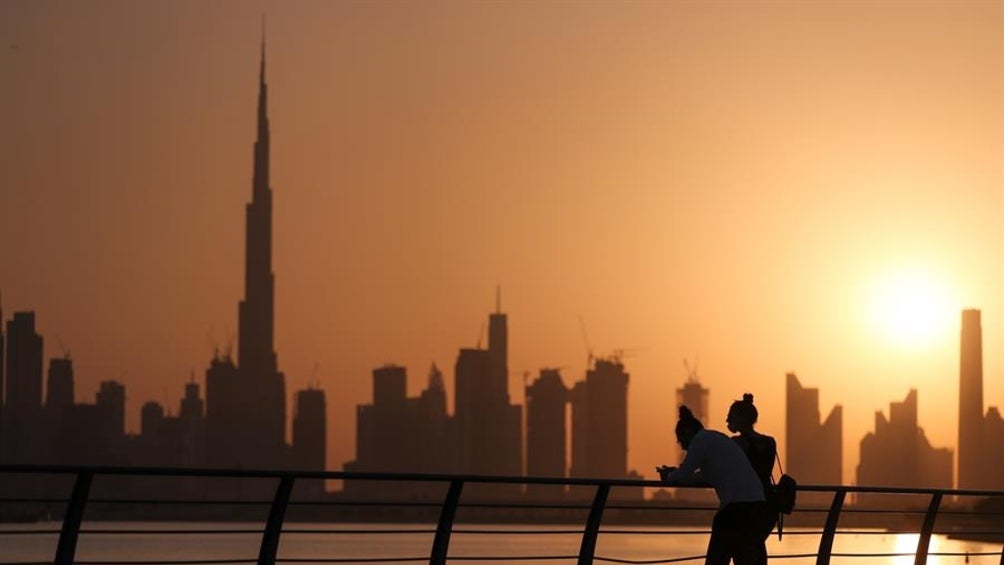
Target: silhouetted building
{"points": [[980, 435], [971, 447], [488, 427], [23, 391], [3, 386], [58, 399], [226, 439], [546, 437], [59, 393], [246, 409], [192, 422], [161, 441], [814, 450], [400, 434], [599, 422], [264, 415], [898, 454], [151, 419], [309, 437], [94, 434], [993, 459], [111, 397], [435, 430], [693, 396]]}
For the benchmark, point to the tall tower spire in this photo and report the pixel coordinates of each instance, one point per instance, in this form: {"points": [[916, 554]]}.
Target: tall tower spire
{"points": [[256, 358], [255, 334]]}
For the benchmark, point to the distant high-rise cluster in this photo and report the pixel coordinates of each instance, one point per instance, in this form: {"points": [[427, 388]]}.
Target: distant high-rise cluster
{"points": [[898, 453], [240, 424], [484, 435]]}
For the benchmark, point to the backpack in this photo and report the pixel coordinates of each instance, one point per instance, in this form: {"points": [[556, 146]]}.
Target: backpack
{"points": [[784, 494], [782, 499]]}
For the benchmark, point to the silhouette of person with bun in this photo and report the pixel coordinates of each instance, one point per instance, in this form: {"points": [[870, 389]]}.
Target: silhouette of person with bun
{"points": [[761, 450], [714, 458]]}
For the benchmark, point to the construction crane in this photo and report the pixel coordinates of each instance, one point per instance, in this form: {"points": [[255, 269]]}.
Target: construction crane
{"points": [[691, 371], [62, 347], [585, 340]]}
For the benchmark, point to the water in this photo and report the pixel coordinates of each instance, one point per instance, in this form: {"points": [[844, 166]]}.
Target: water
{"points": [[324, 542]]}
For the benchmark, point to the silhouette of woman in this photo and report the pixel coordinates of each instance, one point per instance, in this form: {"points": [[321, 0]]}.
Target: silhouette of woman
{"points": [[761, 450], [713, 458]]}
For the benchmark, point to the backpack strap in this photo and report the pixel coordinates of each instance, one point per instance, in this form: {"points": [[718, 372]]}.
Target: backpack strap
{"points": [[780, 515]]}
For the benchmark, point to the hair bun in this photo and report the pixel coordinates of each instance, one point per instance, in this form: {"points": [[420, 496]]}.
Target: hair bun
{"points": [[748, 397], [686, 414]]}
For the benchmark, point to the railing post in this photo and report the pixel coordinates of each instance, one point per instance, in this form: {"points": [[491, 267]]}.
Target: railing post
{"points": [[830, 529], [67, 547], [925, 532], [441, 543], [276, 514], [588, 547]]}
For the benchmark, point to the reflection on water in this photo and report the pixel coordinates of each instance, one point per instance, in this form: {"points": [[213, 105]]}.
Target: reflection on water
{"points": [[324, 541]]}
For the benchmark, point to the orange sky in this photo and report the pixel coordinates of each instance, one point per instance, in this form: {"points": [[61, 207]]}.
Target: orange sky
{"points": [[731, 181]]}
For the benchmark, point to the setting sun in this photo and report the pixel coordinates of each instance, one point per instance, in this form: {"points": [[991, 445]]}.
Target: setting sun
{"points": [[911, 308]]}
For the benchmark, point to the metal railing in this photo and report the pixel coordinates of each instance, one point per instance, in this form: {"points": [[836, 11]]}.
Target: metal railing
{"points": [[865, 517]]}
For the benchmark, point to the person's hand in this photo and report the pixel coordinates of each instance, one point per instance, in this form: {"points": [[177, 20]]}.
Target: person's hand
{"points": [[664, 472]]}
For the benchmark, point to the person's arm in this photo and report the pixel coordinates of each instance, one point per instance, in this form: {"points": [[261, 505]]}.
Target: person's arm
{"points": [[688, 473]]}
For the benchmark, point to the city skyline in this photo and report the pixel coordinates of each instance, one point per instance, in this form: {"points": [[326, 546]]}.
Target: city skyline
{"points": [[373, 267]]}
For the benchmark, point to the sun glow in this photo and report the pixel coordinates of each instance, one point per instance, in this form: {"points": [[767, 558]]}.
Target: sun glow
{"points": [[912, 309]]}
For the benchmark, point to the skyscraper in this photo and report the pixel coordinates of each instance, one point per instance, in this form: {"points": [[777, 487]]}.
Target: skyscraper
{"points": [[265, 418], [814, 450], [693, 396], [599, 422], [246, 404], [546, 432], [971, 401], [489, 428], [59, 393], [309, 437], [23, 408], [498, 352]]}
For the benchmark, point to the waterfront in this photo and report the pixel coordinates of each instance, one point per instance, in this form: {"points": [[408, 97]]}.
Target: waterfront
{"points": [[194, 542]]}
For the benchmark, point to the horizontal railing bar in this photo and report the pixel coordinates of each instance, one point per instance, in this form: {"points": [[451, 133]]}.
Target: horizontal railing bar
{"points": [[666, 508], [174, 562], [192, 502], [356, 532], [35, 500], [854, 510], [407, 477], [351, 560], [158, 531], [657, 532], [514, 558], [381, 503], [967, 532], [672, 508], [649, 561], [517, 532], [516, 506]]}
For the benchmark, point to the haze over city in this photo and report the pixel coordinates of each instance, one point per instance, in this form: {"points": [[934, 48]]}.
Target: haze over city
{"points": [[758, 188]]}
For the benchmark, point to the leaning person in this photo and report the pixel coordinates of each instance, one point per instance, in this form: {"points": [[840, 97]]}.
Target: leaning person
{"points": [[761, 450], [714, 459]]}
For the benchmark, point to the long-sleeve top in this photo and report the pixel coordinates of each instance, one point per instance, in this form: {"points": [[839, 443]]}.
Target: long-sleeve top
{"points": [[713, 458]]}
